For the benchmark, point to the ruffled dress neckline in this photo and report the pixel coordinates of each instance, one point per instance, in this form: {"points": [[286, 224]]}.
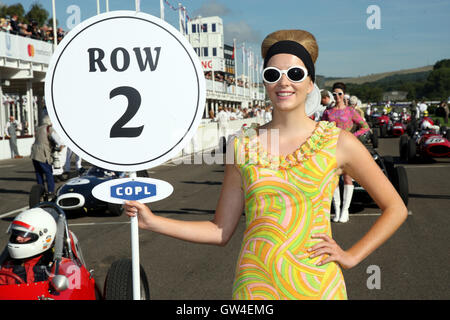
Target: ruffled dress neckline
{"points": [[261, 157]]}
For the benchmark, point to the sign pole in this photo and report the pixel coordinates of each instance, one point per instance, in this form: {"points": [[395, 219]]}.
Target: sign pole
{"points": [[135, 254]]}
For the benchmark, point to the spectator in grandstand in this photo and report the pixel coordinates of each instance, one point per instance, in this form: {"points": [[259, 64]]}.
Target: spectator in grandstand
{"points": [[15, 25], [24, 30], [4, 25], [60, 34]]}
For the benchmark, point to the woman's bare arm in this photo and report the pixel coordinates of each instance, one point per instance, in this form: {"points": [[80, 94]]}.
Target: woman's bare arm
{"points": [[216, 231], [355, 160]]}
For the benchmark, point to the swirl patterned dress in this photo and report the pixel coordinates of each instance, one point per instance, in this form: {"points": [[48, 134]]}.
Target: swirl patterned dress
{"points": [[287, 199]]}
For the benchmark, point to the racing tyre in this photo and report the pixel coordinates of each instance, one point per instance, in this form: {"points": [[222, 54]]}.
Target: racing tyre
{"points": [[383, 131], [119, 283], [403, 144], [400, 182], [374, 138], [115, 209], [142, 174], [37, 195], [389, 164], [410, 150]]}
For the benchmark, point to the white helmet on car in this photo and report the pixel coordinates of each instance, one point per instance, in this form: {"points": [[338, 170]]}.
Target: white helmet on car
{"points": [[32, 232]]}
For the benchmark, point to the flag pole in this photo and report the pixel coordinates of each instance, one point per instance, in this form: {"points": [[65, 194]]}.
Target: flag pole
{"points": [[55, 36], [161, 9]]}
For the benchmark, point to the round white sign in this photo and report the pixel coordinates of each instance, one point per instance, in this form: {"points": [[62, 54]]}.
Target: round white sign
{"points": [[125, 90]]}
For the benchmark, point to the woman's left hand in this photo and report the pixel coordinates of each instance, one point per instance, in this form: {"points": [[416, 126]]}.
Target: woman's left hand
{"points": [[330, 247]]}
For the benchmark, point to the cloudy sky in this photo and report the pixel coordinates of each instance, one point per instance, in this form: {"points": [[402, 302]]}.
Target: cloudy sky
{"points": [[355, 38]]}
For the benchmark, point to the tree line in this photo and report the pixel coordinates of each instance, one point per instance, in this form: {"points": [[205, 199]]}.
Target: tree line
{"points": [[36, 14]]}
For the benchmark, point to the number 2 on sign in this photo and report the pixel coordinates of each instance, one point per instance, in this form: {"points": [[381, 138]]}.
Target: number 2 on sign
{"points": [[134, 102]]}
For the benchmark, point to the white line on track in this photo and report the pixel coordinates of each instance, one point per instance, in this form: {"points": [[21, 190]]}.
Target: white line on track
{"points": [[6, 166], [13, 212], [96, 223], [428, 166], [369, 214]]}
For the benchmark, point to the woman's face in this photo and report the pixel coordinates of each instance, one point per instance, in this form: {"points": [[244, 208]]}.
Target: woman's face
{"points": [[285, 94], [338, 95]]}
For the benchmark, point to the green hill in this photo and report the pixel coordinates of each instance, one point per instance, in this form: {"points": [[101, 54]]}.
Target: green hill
{"points": [[415, 74]]}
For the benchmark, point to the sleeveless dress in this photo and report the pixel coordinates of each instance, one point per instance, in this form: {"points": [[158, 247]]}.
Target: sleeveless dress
{"points": [[287, 199]]}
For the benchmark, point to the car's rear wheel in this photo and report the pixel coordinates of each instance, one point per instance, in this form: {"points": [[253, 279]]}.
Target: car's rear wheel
{"points": [[119, 283], [37, 195], [400, 182], [411, 150], [389, 165], [374, 138], [142, 174], [115, 209], [403, 144], [383, 131]]}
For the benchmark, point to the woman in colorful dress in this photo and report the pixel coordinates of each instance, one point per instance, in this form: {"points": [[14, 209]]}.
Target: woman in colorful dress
{"points": [[288, 251], [345, 118]]}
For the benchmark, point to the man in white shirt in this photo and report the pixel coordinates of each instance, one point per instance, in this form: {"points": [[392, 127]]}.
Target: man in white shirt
{"points": [[267, 115], [222, 119], [12, 126], [422, 107]]}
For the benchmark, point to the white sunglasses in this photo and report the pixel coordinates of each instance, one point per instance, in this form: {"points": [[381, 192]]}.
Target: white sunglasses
{"points": [[294, 74]]}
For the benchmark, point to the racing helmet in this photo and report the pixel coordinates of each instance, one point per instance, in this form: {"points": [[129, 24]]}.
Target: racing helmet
{"points": [[425, 113], [36, 224]]}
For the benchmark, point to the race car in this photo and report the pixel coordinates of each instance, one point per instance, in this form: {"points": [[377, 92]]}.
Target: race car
{"points": [[76, 194], [396, 175], [68, 277], [425, 144]]}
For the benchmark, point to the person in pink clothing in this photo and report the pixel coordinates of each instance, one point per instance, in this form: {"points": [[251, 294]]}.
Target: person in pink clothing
{"points": [[345, 118]]}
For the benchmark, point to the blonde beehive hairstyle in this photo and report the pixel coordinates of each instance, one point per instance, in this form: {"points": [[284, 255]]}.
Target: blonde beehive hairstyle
{"points": [[303, 37]]}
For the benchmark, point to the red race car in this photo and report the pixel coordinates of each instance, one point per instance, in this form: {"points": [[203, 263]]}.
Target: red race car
{"points": [[425, 145], [63, 275]]}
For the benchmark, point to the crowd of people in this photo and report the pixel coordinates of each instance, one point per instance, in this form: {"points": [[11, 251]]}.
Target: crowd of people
{"points": [[228, 79], [32, 30]]}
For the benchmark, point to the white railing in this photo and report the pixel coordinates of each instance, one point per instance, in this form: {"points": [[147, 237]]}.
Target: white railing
{"points": [[26, 49]]}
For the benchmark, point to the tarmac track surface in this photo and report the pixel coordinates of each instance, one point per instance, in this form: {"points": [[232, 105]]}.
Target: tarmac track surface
{"points": [[413, 263]]}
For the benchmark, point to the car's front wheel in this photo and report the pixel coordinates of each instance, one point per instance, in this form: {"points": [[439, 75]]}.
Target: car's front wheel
{"points": [[119, 283], [37, 195], [400, 182]]}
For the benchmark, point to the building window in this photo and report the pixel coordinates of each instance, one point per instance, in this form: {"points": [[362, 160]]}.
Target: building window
{"points": [[213, 27], [205, 27], [214, 52], [197, 51], [205, 51], [193, 28]]}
